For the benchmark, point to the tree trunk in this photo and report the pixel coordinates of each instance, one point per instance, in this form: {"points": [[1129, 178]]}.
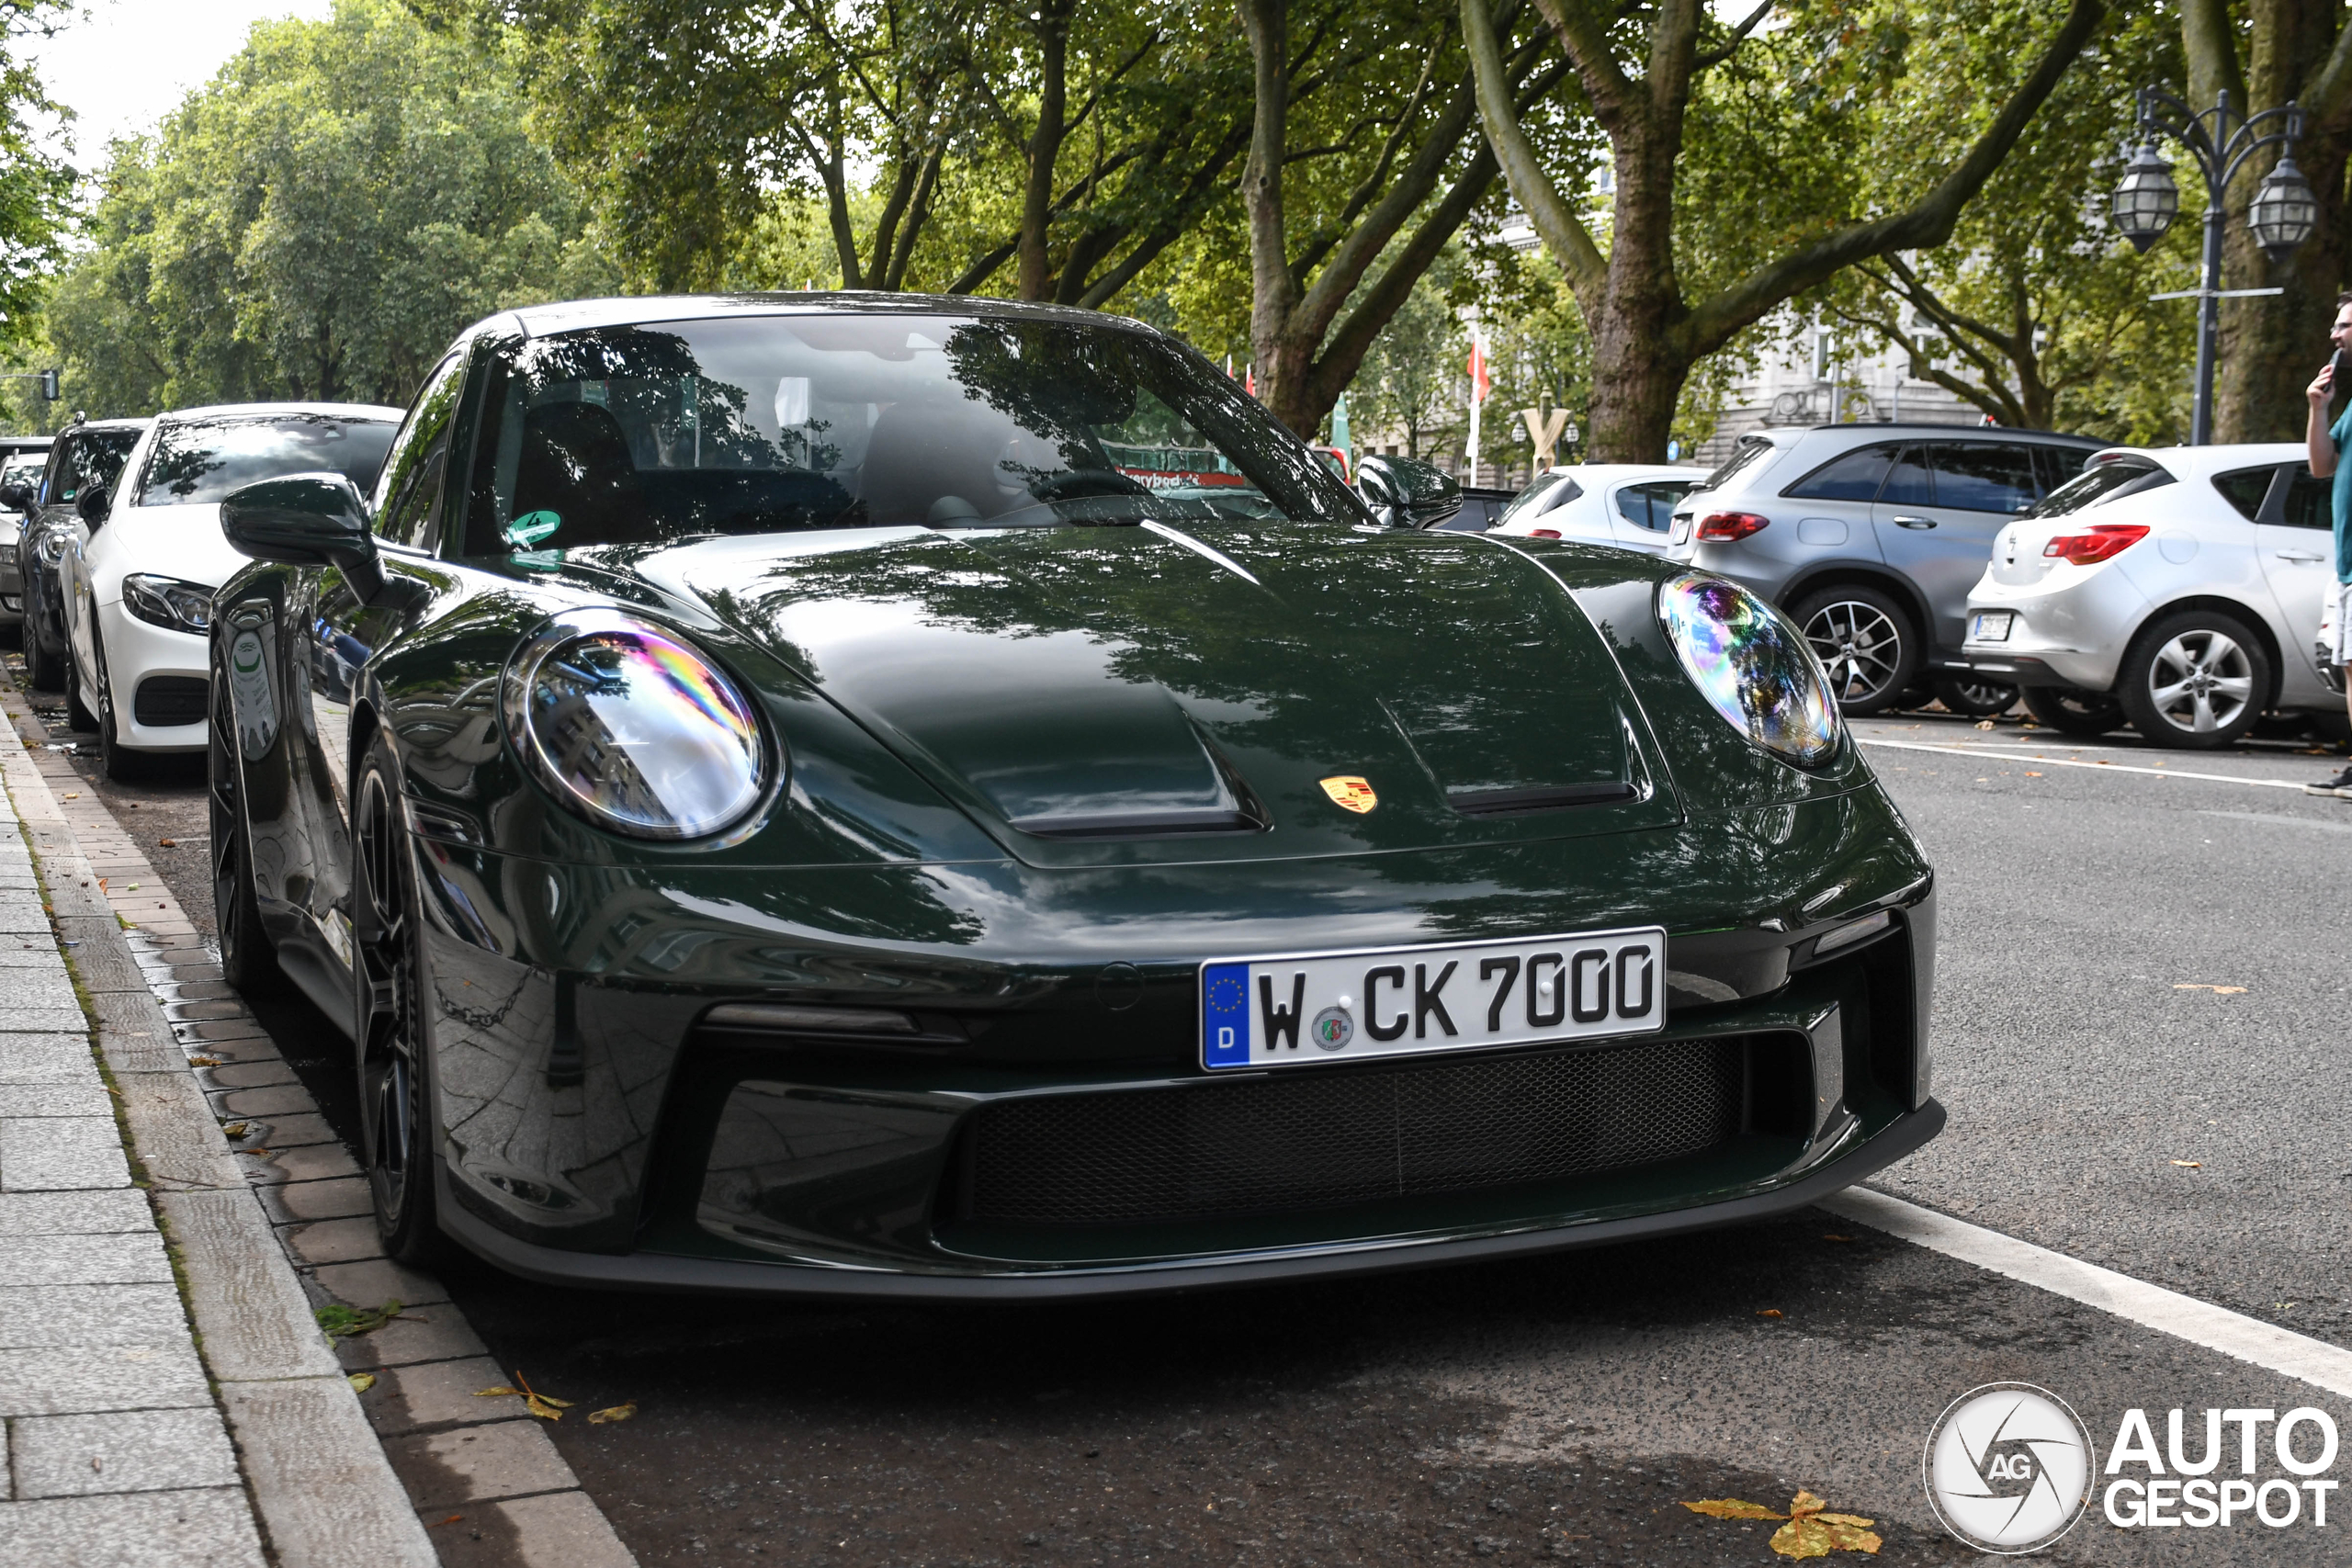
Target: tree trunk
{"points": [[1044, 149]]}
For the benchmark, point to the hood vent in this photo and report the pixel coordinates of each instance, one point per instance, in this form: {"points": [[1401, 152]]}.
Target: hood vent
{"points": [[1516, 802]]}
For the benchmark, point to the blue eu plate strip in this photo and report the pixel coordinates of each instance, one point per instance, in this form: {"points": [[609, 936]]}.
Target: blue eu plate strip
{"points": [[1225, 1015]]}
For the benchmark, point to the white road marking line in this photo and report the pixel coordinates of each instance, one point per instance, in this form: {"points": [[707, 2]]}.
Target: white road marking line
{"points": [[2201, 1323], [2290, 821], [1982, 756]]}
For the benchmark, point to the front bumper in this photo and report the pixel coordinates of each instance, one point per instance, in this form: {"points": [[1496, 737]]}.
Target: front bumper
{"points": [[597, 1126], [159, 678]]}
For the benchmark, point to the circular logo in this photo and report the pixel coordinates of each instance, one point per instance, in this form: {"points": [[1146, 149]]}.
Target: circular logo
{"points": [[2009, 1468], [1225, 995], [1333, 1028]]}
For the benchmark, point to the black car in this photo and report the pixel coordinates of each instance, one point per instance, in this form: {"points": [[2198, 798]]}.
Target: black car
{"points": [[87, 456]]}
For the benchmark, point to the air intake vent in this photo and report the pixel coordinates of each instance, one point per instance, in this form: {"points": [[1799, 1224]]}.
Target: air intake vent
{"points": [[169, 699], [1324, 1137]]}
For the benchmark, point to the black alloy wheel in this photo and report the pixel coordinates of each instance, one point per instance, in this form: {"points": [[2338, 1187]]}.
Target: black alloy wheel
{"points": [[2072, 712], [1975, 699], [44, 669], [2197, 680], [122, 764], [1865, 642], [248, 960], [395, 1101]]}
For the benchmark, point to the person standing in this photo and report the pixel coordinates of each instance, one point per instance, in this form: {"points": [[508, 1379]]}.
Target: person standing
{"points": [[2325, 446]]}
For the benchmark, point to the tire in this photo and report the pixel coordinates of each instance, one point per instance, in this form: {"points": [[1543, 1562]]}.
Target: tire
{"points": [[1865, 640], [44, 670], [393, 1058], [1976, 699], [77, 716], [122, 764], [248, 959], [2196, 680], [2071, 712]]}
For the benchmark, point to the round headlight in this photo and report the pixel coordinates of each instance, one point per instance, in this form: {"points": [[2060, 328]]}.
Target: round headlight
{"points": [[634, 729], [1751, 665]]}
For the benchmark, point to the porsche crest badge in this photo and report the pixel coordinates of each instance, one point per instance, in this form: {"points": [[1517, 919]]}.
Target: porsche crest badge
{"points": [[1351, 792]]}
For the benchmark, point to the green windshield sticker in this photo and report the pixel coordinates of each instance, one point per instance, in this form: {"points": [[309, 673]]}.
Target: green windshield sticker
{"points": [[531, 528]]}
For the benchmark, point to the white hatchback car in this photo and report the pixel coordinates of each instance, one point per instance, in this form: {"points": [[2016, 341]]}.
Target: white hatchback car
{"points": [[1630, 505], [142, 560], [2178, 589]]}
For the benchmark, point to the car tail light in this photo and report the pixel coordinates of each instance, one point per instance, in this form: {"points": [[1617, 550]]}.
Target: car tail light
{"points": [[1723, 526], [2101, 541], [1543, 533]]}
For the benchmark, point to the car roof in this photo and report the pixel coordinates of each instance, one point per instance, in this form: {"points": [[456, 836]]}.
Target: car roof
{"points": [[138, 422], [1787, 435], [575, 315], [1607, 471], [377, 412], [2192, 462]]}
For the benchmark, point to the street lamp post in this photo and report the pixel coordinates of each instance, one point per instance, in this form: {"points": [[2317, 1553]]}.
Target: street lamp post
{"points": [[2282, 214]]}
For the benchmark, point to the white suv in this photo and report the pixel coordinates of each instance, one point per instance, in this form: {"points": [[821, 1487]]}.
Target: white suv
{"points": [[1870, 535], [2179, 588]]}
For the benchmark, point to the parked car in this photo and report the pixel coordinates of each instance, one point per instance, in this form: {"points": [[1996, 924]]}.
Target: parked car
{"points": [[86, 456], [21, 459], [796, 814], [1630, 505], [2178, 589], [1871, 535], [140, 561]]}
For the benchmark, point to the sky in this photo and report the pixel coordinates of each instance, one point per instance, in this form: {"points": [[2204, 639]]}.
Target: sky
{"points": [[121, 65]]}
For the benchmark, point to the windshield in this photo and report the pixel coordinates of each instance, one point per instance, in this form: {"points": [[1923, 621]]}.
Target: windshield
{"points": [[89, 457], [673, 430], [2100, 484], [23, 469], [201, 462]]}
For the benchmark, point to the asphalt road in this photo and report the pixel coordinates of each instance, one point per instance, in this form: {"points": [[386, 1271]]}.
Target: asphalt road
{"points": [[1561, 1409]]}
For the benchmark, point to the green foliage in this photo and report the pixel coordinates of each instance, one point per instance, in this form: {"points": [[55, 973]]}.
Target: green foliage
{"points": [[35, 184], [1413, 384], [318, 221]]}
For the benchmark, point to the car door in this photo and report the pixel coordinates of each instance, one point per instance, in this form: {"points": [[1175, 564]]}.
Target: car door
{"points": [[2297, 544], [1939, 513]]}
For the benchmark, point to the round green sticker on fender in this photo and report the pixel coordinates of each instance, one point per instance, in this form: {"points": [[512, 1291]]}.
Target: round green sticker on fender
{"points": [[531, 528]]}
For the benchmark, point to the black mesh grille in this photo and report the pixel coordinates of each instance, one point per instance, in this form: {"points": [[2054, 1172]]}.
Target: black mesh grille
{"points": [[1315, 1139], [169, 699]]}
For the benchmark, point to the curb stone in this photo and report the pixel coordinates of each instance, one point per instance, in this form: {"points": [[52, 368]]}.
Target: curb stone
{"points": [[266, 1236]]}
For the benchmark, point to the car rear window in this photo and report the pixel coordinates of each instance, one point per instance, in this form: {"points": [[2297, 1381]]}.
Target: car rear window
{"points": [[1744, 455], [1650, 504], [2100, 484], [1540, 497]]}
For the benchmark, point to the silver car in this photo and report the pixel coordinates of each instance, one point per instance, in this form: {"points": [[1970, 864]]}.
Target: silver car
{"points": [[1871, 536]]}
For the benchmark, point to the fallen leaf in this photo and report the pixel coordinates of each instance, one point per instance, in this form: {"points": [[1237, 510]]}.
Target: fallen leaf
{"points": [[453, 1518], [2190, 1163], [613, 1412], [362, 1381], [1771, 1312], [233, 1129], [499, 1391], [1985, 724], [1732, 1509], [348, 1323], [135, 887], [204, 1061], [73, 794], [2217, 990], [1836, 1238], [168, 843], [544, 1406], [2033, 775]]}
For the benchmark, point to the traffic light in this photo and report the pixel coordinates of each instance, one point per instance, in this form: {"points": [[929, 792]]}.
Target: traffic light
{"points": [[49, 385]]}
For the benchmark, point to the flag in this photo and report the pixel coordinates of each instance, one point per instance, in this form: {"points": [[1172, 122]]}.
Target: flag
{"points": [[1249, 381], [1480, 382]]}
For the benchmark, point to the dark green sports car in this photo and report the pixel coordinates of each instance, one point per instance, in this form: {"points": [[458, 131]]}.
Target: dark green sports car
{"points": [[882, 795]]}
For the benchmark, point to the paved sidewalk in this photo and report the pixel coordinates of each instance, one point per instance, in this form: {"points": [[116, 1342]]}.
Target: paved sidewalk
{"points": [[118, 1452]]}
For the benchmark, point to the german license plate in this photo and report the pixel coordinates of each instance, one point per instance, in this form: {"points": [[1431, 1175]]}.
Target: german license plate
{"points": [[1991, 625], [1312, 1009]]}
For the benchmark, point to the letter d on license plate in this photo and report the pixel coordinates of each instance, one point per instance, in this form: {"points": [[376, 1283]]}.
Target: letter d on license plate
{"points": [[1309, 1008]]}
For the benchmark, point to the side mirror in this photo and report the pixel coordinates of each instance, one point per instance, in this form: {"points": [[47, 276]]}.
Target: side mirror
{"points": [[17, 497], [306, 520], [94, 503], [1406, 494]]}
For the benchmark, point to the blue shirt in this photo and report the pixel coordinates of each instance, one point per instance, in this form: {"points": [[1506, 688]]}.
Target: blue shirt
{"points": [[2340, 498]]}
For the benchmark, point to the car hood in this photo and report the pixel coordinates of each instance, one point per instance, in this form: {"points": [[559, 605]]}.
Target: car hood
{"points": [[1124, 693], [185, 542]]}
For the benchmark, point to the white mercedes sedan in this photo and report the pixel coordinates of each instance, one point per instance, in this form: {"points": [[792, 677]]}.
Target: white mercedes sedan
{"points": [[144, 559], [2178, 590]]}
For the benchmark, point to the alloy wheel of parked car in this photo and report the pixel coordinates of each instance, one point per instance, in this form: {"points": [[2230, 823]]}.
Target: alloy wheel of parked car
{"points": [[77, 713], [2196, 680], [44, 670], [2071, 712], [1977, 699], [394, 1108], [1863, 639], [247, 959]]}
